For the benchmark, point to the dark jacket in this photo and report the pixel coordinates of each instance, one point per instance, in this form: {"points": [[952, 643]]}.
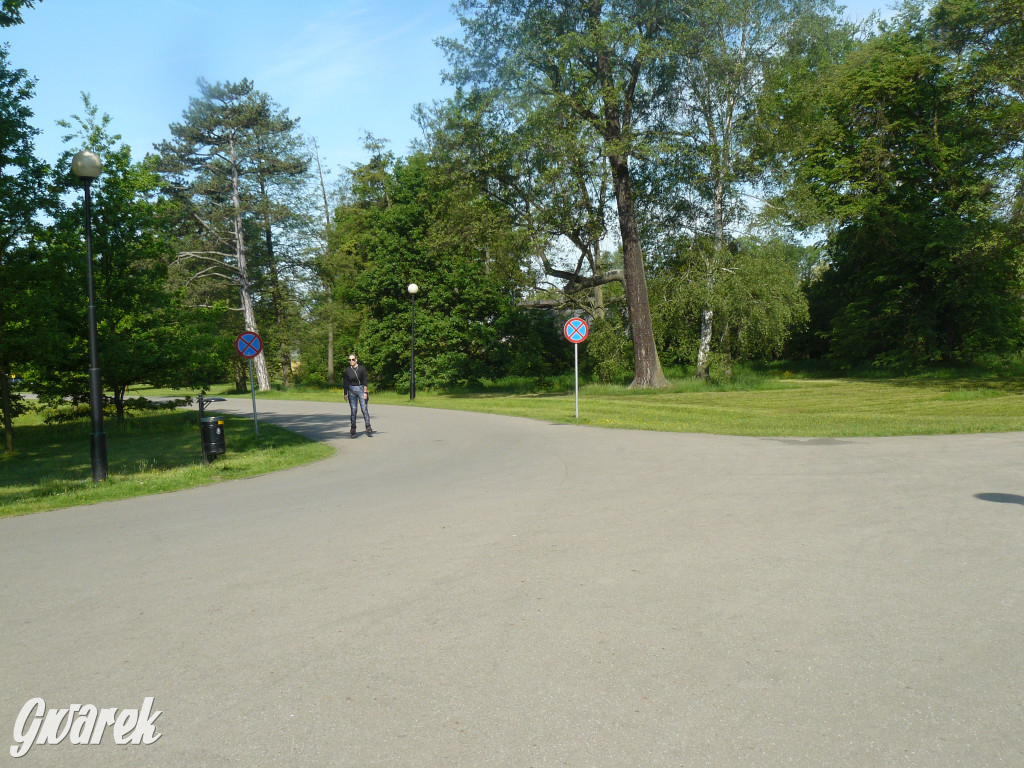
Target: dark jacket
{"points": [[354, 377]]}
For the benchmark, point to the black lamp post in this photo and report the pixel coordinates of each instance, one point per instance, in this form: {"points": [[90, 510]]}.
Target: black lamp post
{"points": [[87, 165], [413, 290]]}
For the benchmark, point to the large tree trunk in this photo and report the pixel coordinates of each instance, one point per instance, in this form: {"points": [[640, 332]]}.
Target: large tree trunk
{"points": [[647, 366], [329, 286], [8, 411], [119, 394], [617, 121], [330, 353], [249, 316]]}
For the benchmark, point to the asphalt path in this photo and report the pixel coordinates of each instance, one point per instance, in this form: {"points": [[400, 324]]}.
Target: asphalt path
{"points": [[472, 590]]}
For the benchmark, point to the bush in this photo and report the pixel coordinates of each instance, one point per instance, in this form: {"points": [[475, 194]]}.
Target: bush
{"points": [[609, 351]]}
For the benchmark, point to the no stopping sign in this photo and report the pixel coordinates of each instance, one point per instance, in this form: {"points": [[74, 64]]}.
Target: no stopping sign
{"points": [[576, 330], [249, 344]]}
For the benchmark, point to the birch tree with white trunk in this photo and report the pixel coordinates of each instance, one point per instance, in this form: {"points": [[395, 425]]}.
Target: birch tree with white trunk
{"points": [[728, 48]]}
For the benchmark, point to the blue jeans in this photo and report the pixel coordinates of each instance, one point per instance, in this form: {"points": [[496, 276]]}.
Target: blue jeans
{"points": [[355, 400]]}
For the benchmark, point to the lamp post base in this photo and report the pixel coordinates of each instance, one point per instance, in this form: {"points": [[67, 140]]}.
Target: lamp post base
{"points": [[98, 449]]}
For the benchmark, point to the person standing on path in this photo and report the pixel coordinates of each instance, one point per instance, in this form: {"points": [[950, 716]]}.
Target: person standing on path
{"points": [[355, 380]]}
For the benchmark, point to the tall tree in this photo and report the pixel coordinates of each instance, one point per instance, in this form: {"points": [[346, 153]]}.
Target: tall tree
{"points": [[352, 243], [278, 181], [208, 161], [146, 334], [21, 195], [589, 66], [409, 221], [323, 305], [914, 141]]}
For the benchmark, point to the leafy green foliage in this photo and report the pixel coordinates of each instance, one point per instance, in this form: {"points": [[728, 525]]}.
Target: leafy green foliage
{"points": [[10, 11], [410, 221], [457, 304], [146, 333], [608, 350], [227, 166], [907, 160], [578, 81], [757, 300], [25, 296], [901, 148]]}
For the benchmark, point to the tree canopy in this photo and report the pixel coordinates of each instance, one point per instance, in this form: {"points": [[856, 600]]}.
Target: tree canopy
{"points": [[916, 140], [706, 181]]}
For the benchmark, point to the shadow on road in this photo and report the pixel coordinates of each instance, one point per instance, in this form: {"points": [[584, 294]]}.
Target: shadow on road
{"points": [[1000, 498], [315, 426]]}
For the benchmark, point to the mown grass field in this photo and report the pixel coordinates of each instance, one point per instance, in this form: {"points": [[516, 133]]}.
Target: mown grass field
{"points": [[833, 408], [757, 405]]}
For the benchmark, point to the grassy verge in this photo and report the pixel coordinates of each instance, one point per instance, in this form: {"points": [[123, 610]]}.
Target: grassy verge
{"points": [[830, 408], [766, 403], [152, 453]]}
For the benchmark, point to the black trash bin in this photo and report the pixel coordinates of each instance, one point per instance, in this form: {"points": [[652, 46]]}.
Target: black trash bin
{"points": [[211, 432]]}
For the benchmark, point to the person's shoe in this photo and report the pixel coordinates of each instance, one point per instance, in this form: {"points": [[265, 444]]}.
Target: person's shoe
{"points": [[353, 433], [369, 431]]}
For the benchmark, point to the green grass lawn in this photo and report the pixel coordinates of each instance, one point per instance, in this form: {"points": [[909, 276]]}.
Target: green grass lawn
{"points": [[152, 453], [794, 408], [761, 405]]}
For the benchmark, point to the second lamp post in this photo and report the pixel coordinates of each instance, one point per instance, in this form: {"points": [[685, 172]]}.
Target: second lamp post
{"points": [[413, 290]]}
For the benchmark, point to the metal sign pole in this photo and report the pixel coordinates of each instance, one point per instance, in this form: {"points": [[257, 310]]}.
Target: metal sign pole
{"points": [[252, 388], [249, 344], [576, 331], [576, 349]]}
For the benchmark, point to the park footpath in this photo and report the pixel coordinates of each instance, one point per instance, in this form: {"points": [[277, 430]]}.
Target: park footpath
{"points": [[473, 590]]}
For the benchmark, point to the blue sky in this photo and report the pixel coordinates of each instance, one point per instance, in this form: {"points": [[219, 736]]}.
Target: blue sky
{"points": [[343, 67]]}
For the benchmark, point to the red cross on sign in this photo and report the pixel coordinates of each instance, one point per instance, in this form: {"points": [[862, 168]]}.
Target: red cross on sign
{"points": [[576, 330], [249, 344]]}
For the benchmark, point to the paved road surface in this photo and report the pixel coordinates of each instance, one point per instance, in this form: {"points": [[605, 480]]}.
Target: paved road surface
{"points": [[469, 590]]}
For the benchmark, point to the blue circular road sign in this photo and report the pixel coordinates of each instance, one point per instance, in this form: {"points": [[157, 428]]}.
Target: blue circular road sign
{"points": [[576, 330], [249, 344]]}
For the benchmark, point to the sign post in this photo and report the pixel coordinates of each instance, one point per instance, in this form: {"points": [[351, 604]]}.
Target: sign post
{"points": [[249, 344], [576, 331]]}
